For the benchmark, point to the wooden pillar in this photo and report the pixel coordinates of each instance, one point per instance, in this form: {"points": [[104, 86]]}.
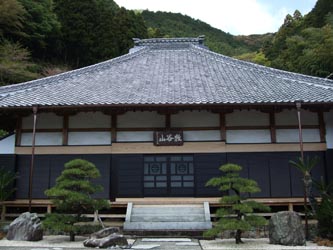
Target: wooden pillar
{"points": [[322, 129], [223, 127], [65, 130], [18, 131], [3, 212], [167, 121], [272, 126], [114, 128]]}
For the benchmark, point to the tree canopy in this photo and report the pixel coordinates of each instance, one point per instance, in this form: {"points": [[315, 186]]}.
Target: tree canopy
{"points": [[71, 33]]}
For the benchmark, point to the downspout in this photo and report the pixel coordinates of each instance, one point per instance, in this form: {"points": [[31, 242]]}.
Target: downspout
{"points": [[34, 110], [300, 133]]}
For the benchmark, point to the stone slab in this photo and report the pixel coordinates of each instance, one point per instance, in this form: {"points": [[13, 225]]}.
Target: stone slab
{"points": [[187, 244], [166, 240], [168, 217], [145, 246]]}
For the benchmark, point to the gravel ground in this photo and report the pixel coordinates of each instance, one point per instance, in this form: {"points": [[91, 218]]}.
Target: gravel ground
{"points": [[254, 244], [59, 241], [62, 242]]}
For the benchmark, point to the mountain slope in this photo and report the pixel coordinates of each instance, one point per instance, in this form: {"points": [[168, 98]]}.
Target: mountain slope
{"points": [[177, 25]]}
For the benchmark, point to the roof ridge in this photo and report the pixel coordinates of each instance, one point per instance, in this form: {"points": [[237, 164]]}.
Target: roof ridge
{"points": [[178, 40], [19, 87], [266, 69]]}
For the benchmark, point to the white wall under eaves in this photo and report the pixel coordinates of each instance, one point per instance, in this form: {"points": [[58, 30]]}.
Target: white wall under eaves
{"points": [[328, 116], [7, 145]]}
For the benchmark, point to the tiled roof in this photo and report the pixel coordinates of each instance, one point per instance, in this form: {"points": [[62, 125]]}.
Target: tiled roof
{"points": [[169, 71]]}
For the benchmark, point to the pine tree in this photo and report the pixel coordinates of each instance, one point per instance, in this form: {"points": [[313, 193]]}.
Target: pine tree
{"points": [[237, 212], [72, 196]]}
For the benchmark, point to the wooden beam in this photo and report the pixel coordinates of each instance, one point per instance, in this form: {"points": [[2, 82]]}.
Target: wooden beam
{"points": [[114, 128], [18, 131], [322, 126], [168, 121], [65, 130], [272, 126], [223, 127], [187, 148]]}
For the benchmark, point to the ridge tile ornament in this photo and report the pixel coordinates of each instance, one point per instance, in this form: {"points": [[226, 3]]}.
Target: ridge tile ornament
{"points": [[168, 138]]}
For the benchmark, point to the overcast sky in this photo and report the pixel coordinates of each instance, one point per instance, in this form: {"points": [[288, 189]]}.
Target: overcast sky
{"points": [[238, 17]]}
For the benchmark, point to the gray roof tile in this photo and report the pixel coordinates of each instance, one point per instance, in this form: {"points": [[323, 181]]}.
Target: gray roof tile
{"points": [[169, 71]]}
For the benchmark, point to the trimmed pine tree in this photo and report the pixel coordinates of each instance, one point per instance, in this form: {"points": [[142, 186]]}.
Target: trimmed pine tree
{"points": [[72, 197], [237, 213]]}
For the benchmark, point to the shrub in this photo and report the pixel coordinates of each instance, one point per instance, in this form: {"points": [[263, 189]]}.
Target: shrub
{"points": [[325, 210], [72, 197], [237, 213]]}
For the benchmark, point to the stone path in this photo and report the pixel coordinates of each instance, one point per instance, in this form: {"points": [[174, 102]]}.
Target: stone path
{"points": [[255, 244], [167, 244], [62, 243]]}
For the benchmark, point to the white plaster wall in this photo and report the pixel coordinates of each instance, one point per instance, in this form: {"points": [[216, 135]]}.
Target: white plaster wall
{"points": [[247, 118], [44, 120], [195, 119], [7, 145], [89, 138], [42, 139], [292, 135], [328, 116], [289, 117], [141, 136], [141, 120], [89, 120], [202, 135], [248, 136]]}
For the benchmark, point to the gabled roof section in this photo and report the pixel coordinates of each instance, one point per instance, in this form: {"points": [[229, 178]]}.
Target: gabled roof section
{"points": [[174, 71]]}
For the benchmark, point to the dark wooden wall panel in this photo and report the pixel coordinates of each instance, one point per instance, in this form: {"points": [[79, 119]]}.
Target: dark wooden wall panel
{"points": [[207, 167], [279, 171], [260, 172], [129, 172], [22, 182], [48, 167], [8, 163], [329, 165], [122, 175]]}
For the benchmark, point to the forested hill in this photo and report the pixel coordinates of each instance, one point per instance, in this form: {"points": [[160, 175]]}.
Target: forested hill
{"points": [[304, 44], [44, 37], [41, 38], [167, 24]]}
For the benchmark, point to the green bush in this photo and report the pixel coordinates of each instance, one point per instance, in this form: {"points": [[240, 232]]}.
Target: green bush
{"points": [[325, 210], [237, 212], [72, 197]]}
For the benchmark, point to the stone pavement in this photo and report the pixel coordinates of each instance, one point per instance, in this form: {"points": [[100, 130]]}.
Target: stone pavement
{"points": [[167, 244], [63, 243]]}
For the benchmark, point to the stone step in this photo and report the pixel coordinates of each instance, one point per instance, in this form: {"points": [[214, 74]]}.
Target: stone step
{"points": [[183, 211], [167, 218], [150, 226]]}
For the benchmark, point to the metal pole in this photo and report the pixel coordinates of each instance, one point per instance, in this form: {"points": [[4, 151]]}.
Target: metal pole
{"points": [[34, 110], [298, 106], [300, 133]]}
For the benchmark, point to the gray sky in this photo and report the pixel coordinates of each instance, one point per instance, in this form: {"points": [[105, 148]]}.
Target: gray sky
{"points": [[238, 17]]}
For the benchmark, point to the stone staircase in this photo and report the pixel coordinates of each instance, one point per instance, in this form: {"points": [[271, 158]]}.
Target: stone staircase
{"points": [[189, 217]]}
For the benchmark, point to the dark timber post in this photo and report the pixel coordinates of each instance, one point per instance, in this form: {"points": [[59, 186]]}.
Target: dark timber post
{"points": [[34, 110], [298, 107]]}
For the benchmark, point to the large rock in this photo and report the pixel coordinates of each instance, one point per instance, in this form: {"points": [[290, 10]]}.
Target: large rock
{"points": [[108, 241], [26, 227], [285, 228], [104, 232], [104, 238]]}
